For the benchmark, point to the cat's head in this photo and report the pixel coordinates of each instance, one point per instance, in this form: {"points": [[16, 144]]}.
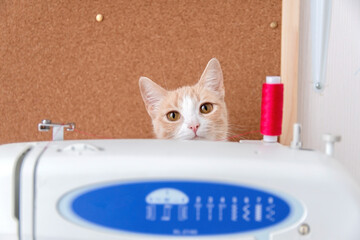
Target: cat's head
{"points": [[190, 112]]}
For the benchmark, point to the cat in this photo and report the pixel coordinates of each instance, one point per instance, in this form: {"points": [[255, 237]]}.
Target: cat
{"points": [[191, 112]]}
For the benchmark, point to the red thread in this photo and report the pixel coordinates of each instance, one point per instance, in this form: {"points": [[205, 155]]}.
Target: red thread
{"points": [[102, 137], [238, 135], [91, 135], [271, 109], [99, 137]]}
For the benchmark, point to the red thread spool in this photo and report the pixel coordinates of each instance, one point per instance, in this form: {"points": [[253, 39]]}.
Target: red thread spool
{"points": [[272, 108]]}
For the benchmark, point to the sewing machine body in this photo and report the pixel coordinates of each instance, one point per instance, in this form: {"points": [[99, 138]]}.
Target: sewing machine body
{"points": [[98, 189]]}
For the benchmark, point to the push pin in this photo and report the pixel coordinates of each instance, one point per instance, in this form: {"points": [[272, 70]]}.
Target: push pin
{"points": [[99, 17], [273, 25]]}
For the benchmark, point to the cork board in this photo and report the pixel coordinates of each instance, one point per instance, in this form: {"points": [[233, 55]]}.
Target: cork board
{"points": [[59, 63]]}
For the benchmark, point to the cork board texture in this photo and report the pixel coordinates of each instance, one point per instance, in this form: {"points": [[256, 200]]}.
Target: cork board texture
{"points": [[59, 63]]}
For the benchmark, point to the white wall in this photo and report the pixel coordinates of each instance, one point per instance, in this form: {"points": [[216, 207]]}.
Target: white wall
{"points": [[337, 109]]}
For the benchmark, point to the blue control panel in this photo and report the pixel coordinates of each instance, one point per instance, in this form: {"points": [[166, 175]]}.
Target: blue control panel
{"points": [[185, 208]]}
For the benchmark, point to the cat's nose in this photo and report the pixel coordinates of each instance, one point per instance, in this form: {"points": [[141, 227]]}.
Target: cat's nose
{"points": [[194, 127]]}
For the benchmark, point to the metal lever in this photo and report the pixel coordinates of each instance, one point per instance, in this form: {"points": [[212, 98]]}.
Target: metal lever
{"points": [[58, 129]]}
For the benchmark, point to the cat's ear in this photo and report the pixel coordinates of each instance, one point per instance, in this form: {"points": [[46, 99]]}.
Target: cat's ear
{"points": [[212, 77], [151, 94]]}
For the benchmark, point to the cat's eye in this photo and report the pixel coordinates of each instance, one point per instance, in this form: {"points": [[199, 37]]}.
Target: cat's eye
{"points": [[173, 116], [206, 108]]}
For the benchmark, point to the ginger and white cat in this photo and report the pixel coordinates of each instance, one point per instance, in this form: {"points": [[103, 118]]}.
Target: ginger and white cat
{"points": [[192, 112]]}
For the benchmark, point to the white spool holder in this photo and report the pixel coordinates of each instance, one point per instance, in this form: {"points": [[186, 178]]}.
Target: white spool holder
{"points": [[330, 141], [296, 141]]}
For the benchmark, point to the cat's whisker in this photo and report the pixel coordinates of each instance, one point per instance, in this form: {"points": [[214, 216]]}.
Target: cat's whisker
{"points": [[241, 128], [244, 136]]}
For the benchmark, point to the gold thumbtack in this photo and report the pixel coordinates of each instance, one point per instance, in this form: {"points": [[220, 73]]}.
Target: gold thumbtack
{"points": [[99, 17], [273, 25]]}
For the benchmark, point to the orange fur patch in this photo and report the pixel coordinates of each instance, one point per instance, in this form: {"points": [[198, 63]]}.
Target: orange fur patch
{"points": [[187, 101]]}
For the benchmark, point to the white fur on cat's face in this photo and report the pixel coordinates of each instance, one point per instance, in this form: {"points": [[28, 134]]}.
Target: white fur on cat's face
{"points": [[187, 101], [193, 124]]}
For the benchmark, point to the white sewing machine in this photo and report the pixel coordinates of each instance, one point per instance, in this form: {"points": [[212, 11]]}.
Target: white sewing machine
{"points": [[153, 189]]}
